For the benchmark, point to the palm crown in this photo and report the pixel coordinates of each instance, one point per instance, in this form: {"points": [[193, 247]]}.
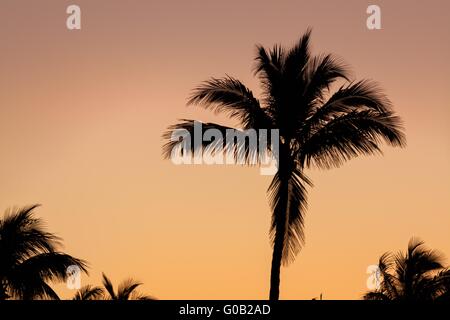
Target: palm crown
{"points": [[317, 127], [127, 290], [29, 258], [418, 274]]}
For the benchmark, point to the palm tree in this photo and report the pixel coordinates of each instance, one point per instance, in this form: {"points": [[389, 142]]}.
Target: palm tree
{"points": [[416, 275], [125, 291], [88, 292], [29, 257], [317, 127]]}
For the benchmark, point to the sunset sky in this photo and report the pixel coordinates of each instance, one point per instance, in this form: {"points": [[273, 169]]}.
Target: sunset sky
{"points": [[82, 113]]}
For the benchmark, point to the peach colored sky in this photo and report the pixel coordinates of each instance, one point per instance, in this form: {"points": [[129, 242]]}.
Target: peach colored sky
{"points": [[82, 112]]}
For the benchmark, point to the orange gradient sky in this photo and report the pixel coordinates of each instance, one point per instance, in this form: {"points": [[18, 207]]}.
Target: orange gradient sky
{"points": [[82, 113]]}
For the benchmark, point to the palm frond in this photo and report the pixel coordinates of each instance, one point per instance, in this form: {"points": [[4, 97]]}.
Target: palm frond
{"points": [[320, 73], [269, 69], [231, 142], [418, 262], [298, 57], [88, 292], [390, 284], [442, 280], [287, 196], [231, 97], [125, 291], [352, 134], [23, 235], [49, 266], [30, 286], [358, 96], [109, 287], [126, 288], [269, 63]]}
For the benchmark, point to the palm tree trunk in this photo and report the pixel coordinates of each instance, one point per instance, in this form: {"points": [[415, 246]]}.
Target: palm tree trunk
{"points": [[280, 215], [276, 264]]}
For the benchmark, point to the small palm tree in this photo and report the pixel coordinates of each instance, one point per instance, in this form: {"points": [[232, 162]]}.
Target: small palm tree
{"points": [[418, 275], [125, 291], [88, 292], [317, 127], [29, 257]]}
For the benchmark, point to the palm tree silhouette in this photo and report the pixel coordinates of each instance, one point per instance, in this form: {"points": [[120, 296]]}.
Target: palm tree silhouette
{"points": [[317, 127], [125, 291], [416, 275], [29, 259], [88, 292]]}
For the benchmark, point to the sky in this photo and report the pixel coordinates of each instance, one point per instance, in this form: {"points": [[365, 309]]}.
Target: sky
{"points": [[82, 113]]}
